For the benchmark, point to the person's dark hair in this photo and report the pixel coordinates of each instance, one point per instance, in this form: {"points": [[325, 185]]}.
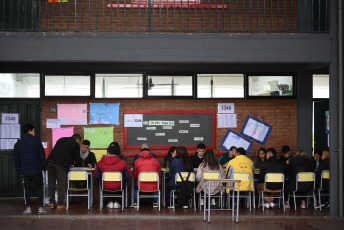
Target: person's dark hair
{"points": [[86, 142], [182, 152], [272, 150], [231, 148], [76, 137], [112, 150], [27, 128], [264, 150], [318, 152], [285, 149], [241, 151], [116, 146], [171, 150], [210, 160], [201, 146]]}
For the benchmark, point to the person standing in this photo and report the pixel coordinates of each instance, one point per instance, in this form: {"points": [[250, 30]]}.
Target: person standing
{"points": [[65, 152], [29, 160]]}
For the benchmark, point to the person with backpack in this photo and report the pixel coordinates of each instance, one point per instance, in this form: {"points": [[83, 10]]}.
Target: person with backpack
{"points": [[180, 163]]}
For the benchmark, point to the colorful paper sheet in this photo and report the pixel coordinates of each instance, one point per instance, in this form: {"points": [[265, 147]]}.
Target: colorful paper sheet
{"points": [[100, 137], [256, 129], [104, 113], [99, 153], [62, 132], [72, 114]]}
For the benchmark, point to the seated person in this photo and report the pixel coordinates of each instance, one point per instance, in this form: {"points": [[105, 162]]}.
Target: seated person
{"points": [[226, 157], [198, 157], [271, 165], [144, 146], [316, 159], [285, 154], [209, 164], [168, 159], [181, 163], [241, 163], [112, 163], [146, 163], [299, 163], [121, 156], [260, 158], [324, 165], [88, 158]]}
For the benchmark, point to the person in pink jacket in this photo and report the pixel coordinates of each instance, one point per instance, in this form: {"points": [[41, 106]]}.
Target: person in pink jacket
{"points": [[146, 163]]}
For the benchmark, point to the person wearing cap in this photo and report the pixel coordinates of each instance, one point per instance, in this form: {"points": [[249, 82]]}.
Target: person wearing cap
{"points": [[146, 163]]}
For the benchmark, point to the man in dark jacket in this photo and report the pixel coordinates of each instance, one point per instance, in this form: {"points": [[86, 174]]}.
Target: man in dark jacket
{"points": [[29, 160], [112, 163], [271, 165], [198, 157], [65, 152]]}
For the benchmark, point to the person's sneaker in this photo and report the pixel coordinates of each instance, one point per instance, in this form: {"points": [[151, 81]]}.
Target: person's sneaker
{"points": [[110, 205], [135, 205], [303, 206], [273, 205], [202, 202], [116, 205], [287, 206], [61, 207], [27, 212], [213, 202], [155, 205], [266, 205], [52, 206], [42, 211], [185, 206]]}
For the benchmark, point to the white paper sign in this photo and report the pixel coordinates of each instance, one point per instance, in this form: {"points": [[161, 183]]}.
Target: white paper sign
{"points": [[53, 123], [133, 120], [227, 120], [7, 143], [10, 131], [256, 129], [225, 107], [237, 141], [9, 118]]}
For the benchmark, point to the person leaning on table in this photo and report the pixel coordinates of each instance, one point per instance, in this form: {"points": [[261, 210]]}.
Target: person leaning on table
{"points": [[65, 152]]}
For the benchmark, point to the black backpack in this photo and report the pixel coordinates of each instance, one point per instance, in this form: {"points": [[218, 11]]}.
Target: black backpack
{"points": [[186, 188]]}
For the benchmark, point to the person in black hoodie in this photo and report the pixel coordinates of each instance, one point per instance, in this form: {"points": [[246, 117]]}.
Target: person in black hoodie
{"points": [[65, 153], [270, 165], [300, 163], [29, 160]]}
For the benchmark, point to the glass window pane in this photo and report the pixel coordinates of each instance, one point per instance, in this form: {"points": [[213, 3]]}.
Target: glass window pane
{"points": [[19, 85], [270, 85], [169, 86], [220, 86], [321, 86], [67, 85], [118, 85]]}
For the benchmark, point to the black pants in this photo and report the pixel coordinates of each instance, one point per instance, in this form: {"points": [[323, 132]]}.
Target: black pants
{"points": [[38, 180], [55, 172]]}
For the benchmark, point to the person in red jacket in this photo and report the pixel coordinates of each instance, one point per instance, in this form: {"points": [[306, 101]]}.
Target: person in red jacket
{"points": [[146, 163], [112, 163]]}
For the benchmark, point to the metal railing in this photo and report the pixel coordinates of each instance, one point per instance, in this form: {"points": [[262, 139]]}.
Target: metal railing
{"points": [[184, 16]]}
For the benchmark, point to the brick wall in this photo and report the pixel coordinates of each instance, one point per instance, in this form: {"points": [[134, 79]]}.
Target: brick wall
{"points": [[281, 114], [233, 16]]}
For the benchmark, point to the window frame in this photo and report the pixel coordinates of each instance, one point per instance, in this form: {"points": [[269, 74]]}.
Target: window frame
{"points": [[276, 74]]}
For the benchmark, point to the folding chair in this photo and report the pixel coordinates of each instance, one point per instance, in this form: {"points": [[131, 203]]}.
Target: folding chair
{"points": [[111, 177], [192, 178], [304, 177], [273, 178], [245, 178], [209, 176], [148, 177], [78, 176], [325, 175]]}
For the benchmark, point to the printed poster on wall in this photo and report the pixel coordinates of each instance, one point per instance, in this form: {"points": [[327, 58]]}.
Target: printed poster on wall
{"points": [[233, 139], [100, 137], [256, 129], [62, 132], [104, 113], [72, 114]]}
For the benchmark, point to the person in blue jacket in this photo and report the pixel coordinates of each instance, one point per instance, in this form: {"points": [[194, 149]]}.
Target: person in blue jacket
{"points": [[29, 160]]}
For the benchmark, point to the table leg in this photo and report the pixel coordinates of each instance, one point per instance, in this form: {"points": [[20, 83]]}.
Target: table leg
{"points": [[208, 202], [163, 184]]}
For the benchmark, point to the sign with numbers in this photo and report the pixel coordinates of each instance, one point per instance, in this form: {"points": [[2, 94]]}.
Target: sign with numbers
{"points": [[9, 118]]}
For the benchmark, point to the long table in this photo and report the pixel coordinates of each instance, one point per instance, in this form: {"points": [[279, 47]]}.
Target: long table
{"points": [[227, 184]]}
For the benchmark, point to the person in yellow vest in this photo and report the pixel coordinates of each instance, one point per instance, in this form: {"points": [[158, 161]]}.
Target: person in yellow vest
{"points": [[241, 163]]}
